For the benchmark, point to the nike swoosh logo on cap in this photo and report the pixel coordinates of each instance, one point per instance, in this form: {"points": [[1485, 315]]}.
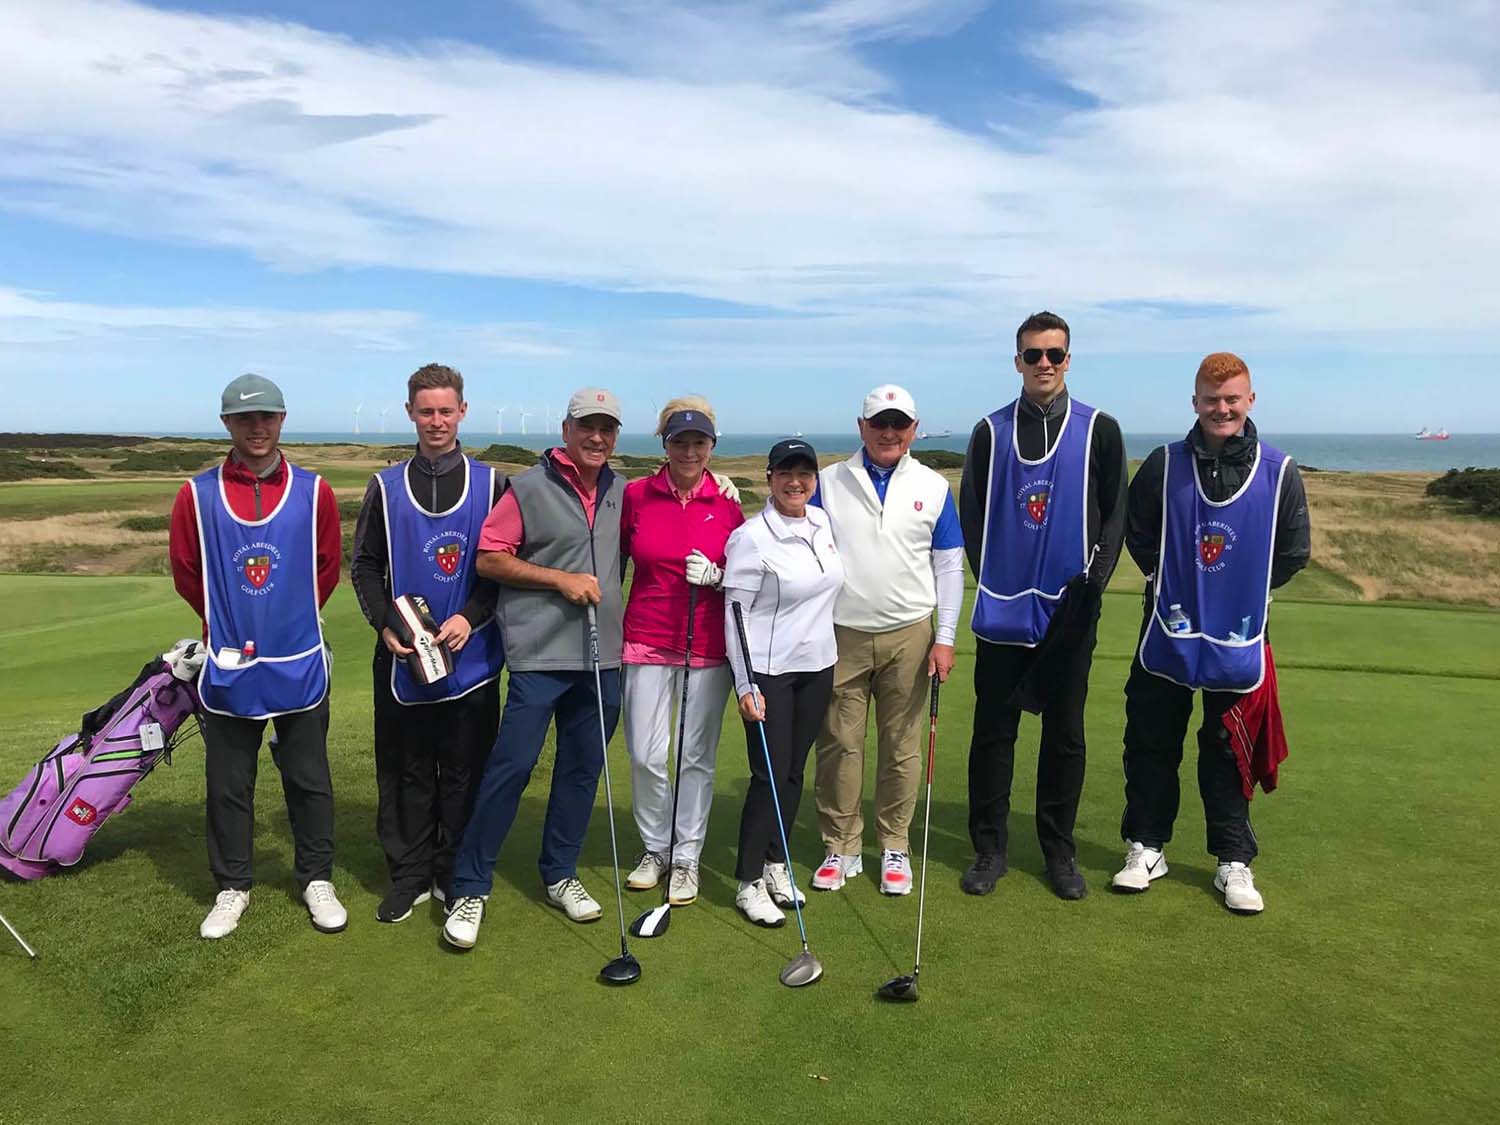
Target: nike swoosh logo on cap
{"points": [[246, 395]]}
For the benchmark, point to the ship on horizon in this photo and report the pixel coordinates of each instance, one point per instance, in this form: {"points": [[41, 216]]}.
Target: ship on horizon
{"points": [[1440, 434]]}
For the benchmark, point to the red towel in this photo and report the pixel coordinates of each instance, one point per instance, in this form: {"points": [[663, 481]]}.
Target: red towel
{"points": [[1256, 733]]}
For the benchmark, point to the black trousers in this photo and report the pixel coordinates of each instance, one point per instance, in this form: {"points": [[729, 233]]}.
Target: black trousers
{"points": [[796, 703], [428, 762], [1157, 712], [992, 747], [231, 756]]}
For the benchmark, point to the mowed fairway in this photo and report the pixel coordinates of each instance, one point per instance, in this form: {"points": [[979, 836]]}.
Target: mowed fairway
{"points": [[1367, 991]]}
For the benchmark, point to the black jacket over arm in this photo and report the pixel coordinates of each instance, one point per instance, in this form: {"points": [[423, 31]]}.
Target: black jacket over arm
{"points": [[437, 486], [1222, 474], [1037, 430]]}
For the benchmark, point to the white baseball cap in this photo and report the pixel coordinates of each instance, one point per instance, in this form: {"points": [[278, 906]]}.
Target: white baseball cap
{"points": [[888, 396]]}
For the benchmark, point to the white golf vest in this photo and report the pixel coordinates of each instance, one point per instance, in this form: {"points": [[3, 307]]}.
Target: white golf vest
{"points": [[887, 549]]}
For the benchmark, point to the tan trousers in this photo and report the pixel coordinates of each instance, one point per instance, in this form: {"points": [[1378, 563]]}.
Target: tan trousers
{"points": [[891, 667]]}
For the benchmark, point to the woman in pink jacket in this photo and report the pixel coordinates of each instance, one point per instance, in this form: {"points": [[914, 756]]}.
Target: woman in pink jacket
{"points": [[673, 527]]}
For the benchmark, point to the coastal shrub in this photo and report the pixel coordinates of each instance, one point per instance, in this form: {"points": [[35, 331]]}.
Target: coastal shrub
{"points": [[14, 466], [1478, 489], [145, 523], [68, 441], [509, 454], [939, 458], [349, 510], [163, 461]]}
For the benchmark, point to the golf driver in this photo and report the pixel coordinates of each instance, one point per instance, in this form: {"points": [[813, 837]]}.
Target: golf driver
{"points": [[905, 988], [29, 951], [655, 921], [804, 968], [624, 969]]}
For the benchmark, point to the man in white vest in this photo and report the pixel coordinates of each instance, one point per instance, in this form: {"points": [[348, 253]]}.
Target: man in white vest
{"points": [[897, 529]]}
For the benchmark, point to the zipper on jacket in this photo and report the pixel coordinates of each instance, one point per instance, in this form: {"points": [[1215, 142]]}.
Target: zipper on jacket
{"points": [[256, 485]]}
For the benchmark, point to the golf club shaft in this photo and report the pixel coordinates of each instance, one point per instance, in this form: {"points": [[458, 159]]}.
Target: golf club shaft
{"points": [[682, 705], [760, 725], [29, 951], [609, 797], [926, 823]]}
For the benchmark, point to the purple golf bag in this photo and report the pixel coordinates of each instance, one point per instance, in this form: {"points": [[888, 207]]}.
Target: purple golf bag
{"points": [[47, 820]]}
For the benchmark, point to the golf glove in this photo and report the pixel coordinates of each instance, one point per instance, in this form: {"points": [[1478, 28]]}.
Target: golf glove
{"points": [[727, 487], [701, 572]]}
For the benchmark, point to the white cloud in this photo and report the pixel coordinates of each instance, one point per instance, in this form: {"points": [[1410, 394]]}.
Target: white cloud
{"points": [[1323, 166]]}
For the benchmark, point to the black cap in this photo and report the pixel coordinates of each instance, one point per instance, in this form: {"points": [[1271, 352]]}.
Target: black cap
{"points": [[791, 449], [688, 421]]}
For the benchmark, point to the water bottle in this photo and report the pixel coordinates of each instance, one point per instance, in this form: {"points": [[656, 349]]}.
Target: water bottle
{"points": [[1177, 621], [247, 654]]}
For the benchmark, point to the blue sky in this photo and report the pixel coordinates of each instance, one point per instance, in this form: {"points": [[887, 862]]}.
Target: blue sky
{"points": [[775, 203]]}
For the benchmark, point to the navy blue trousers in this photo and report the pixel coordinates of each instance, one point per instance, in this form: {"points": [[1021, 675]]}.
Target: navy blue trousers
{"points": [[532, 701]]}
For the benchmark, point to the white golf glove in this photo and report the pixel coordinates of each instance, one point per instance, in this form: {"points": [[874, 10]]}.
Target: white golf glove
{"points": [[727, 487], [701, 572]]}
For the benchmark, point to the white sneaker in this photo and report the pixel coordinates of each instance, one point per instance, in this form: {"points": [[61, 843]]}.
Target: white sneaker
{"points": [[1238, 887], [683, 888], [648, 872], [461, 928], [225, 915], [757, 906], [1142, 864], [569, 896], [779, 885], [835, 869], [895, 873], [323, 906]]}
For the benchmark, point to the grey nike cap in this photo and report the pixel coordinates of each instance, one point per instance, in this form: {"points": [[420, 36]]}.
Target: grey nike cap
{"points": [[252, 392]]}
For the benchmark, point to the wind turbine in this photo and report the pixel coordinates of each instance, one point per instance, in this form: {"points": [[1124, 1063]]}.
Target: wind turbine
{"points": [[525, 414], [357, 409], [384, 411], [500, 420]]}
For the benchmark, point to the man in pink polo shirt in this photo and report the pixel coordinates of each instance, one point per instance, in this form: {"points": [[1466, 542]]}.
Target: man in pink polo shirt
{"points": [[552, 544], [674, 527]]}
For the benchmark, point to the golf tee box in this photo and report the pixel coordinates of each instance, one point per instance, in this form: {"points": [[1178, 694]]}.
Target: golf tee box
{"points": [[429, 661]]}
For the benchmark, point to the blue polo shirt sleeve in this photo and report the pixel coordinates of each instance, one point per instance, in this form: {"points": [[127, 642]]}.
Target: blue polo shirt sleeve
{"points": [[946, 533]]}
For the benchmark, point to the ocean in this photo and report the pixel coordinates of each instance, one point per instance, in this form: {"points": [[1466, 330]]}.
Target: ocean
{"points": [[1347, 452]]}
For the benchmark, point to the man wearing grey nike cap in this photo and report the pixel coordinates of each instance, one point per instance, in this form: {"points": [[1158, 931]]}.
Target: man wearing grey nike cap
{"points": [[255, 548]]}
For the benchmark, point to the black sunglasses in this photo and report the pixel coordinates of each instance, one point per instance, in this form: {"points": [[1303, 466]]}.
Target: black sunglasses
{"points": [[1033, 356], [888, 421]]}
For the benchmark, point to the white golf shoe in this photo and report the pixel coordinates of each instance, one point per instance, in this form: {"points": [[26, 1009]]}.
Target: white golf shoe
{"points": [[225, 915], [835, 870], [323, 907], [895, 873], [569, 896], [779, 885], [1142, 864], [756, 905], [461, 928], [648, 872], [683, 888], [1237, 885]]}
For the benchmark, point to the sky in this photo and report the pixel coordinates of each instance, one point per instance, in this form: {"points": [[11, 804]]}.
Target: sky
{"points": [[776, 203]]}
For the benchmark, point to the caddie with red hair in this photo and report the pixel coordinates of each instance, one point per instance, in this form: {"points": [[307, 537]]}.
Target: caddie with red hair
{"points": [[1216, 521]]}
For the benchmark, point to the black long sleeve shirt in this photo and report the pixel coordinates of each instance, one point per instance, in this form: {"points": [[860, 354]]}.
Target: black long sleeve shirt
{"points": [[437, 486], [1037, 430], [1221, 474]]}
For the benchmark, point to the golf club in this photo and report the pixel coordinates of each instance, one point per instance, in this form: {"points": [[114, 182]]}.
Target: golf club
{"points": [[905, 988], [804, 968], [29, 951], [655, 921], [624, 969]]}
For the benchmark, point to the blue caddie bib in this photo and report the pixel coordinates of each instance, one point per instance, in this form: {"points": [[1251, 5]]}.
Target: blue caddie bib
{"points": [[1035, 529], [260, 584], [433, 555], [1216, 568]]}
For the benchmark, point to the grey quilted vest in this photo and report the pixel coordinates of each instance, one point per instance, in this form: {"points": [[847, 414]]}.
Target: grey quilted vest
{"points": [[543, 631]]}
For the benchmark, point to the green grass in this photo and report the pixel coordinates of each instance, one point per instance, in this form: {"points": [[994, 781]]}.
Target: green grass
{"points": [[1363, 993], [34, 501]]}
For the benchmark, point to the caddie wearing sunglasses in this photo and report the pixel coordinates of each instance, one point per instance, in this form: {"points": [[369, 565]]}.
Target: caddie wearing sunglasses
{"points": [[1042, 506]]}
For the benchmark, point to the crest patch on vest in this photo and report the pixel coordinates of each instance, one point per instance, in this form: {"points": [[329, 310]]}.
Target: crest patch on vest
{"points": [[257, 564], [1035, 498], [1214, 539], [445, 551]]}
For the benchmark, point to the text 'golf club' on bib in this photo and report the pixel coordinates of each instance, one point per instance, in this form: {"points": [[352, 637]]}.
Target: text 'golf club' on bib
{"points": [[433, 555], [260, 587], [1215, 569], [1035, 529]]}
